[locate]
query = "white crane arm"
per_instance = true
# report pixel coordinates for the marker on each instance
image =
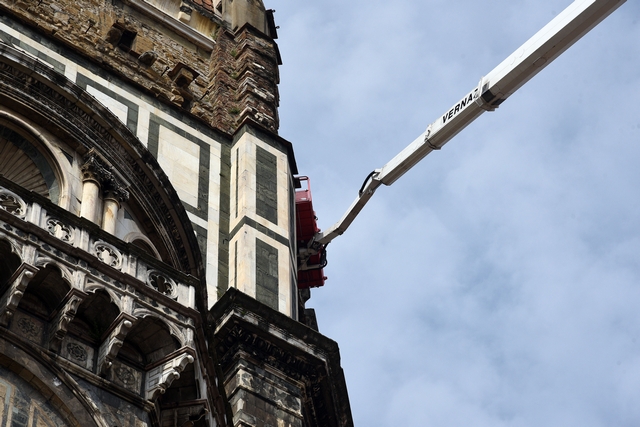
(540, 50)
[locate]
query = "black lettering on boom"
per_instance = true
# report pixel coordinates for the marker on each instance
(458, 107)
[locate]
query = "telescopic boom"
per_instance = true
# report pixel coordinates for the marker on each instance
(492, 90)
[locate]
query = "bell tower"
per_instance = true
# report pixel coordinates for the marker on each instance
(148, 269)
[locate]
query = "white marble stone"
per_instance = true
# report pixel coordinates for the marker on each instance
(117, 108)
(180, 159)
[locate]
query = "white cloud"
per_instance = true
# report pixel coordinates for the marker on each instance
(497, 283)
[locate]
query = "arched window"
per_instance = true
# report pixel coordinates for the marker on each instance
(22, 163)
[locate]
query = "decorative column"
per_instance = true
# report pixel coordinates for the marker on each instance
(110, 213)
(90, 191)
(97, 176)
(112, 199)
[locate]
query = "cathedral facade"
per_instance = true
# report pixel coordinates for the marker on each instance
(148, 254)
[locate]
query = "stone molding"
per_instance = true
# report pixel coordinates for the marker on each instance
(96, 255)
(95, 168)
(78, 115)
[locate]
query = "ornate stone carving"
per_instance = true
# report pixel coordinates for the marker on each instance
(162, 284)
(13, 295)
(96, 169)
(160, 378)
(111, 346)
(77, 352)
(71, 113)
(12, 203)
(126, 376)
(62, 231)
(29, 327)
(108, 254)
(59, 324)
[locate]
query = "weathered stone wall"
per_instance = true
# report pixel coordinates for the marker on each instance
(87, 26)
(277, 371)
(220, 77)
(186, 126)
(260, 398)
(245, 77)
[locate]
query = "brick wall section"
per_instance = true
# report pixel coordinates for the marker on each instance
(238, 80)
(244, 80)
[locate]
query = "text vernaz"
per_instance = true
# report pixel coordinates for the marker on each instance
(464, 102)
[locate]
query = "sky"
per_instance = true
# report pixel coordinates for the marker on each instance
(498, 282)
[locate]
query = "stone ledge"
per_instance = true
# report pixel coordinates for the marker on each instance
(248, 330)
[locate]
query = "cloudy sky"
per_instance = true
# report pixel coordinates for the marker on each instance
(497, 283)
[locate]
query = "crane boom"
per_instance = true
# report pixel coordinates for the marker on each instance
(493, 89)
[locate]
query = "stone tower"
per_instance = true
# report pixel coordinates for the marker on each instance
(147, 222)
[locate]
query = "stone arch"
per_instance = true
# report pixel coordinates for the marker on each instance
(16, 248)
(44, 292)
(175, 331)
(94, 317)
(38, 384)
(44, 262)
(71, 114)
(149, 340)
(142, 242)
(115, 298)
(27, 160)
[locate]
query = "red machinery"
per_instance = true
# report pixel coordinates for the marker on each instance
(310, 268)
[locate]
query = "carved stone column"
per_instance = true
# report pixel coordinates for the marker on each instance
(112, 200)
(90, 193)
(97, 175)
